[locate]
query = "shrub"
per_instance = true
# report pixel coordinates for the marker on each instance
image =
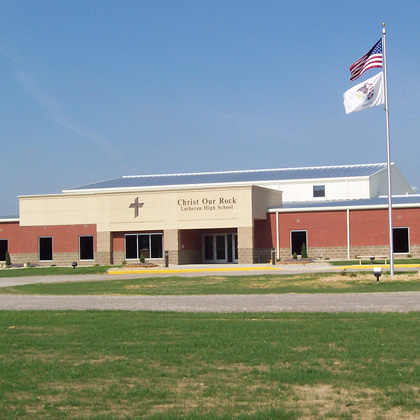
(294, 256)
(304, 253)
(8, 261)
(142, 258)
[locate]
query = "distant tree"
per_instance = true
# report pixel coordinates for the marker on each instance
(8, 260)
(304, 253)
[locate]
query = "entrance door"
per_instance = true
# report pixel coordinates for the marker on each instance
(220, 248)
(208, 248)
(232, 247)
(221, 256)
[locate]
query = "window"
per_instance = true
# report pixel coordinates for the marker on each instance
(401, 241)
(144, 246)
(297, 239)
(3, 248)
(319, 190)
(131, 247)
(86, 248)
(148, 245)
(156, 249)
(45, 250)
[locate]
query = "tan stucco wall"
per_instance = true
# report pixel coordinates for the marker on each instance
(191, 208)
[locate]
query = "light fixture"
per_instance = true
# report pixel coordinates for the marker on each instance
(377, 272)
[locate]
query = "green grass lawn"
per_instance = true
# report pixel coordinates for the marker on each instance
(130, 365)
(250, 284)
(52, 271)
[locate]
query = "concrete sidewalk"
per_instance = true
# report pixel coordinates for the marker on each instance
(229, 269)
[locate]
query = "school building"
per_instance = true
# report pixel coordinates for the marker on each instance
(217, 217)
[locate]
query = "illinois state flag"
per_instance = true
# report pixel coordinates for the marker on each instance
(365, 95)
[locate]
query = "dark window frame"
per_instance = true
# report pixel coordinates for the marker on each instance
(151, 249)
(82, 248)
(318, 191)
(294, 249)
(401, 245)
(3, 250)
(42, 252)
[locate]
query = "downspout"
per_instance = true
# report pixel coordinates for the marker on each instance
(277, 236)
(348, 234)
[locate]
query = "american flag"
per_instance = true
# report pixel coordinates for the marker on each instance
(370, 60)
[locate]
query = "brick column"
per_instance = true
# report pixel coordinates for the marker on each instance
(246, 245)
(104, 248)
(171, 244)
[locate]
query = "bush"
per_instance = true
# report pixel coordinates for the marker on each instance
(304, 253)
(294, 256)
(8, 261)
(142, 258)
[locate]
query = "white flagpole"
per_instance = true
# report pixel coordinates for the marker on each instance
(388, 152)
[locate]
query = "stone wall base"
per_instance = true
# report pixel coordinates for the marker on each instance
(245, 256)
(173, 257)
(414, 250)
(63, 259)
(262, 255)
(118, 258)
(190, 257)
(369, 250)
(331, 253)
(103, 258)
(182, 257)
(340, 253)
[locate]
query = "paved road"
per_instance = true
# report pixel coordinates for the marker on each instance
(351, 302)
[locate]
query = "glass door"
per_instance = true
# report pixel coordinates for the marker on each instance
(208, 248)
(221, 256)
(220, 248)
(235, 247)
(232, 247)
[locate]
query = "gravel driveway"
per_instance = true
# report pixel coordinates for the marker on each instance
(349, 302)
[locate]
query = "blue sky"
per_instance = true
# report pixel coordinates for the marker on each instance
(93, 90)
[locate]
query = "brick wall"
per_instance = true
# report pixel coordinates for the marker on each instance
(23, 243)
(327, 232)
